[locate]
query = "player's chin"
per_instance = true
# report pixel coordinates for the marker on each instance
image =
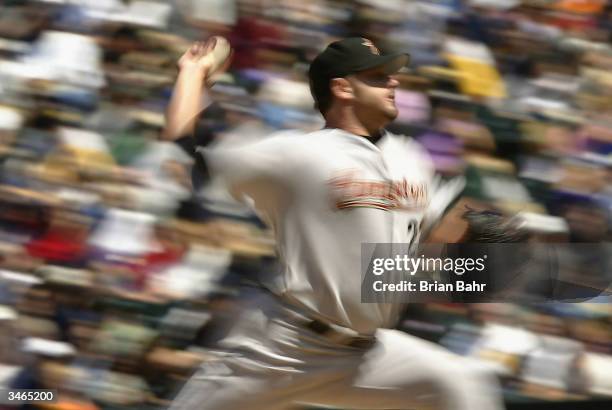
(391, 113)
(390, 108)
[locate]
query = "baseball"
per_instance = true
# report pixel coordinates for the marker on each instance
(221, 51)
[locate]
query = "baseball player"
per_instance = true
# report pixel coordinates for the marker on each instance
(308, 338)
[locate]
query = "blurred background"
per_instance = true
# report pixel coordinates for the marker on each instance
(116, 276)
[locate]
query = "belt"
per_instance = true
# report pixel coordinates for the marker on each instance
(334, 333)
(341, 335)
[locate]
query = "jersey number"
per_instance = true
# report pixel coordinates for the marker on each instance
(413, 235)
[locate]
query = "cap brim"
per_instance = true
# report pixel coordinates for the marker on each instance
(392, 63)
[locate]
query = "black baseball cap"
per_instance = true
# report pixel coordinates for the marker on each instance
(349, 56)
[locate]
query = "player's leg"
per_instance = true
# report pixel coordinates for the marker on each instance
(404, 372)
(268, 367)
(241, 378)
(232, 383)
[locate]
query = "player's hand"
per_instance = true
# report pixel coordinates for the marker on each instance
(199, 58)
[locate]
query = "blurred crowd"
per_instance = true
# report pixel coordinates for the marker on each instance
(119, 262)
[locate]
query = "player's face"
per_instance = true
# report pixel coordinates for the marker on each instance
(374, 95)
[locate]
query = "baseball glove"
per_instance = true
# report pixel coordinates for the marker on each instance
(493, 227)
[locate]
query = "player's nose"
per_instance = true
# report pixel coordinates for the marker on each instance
(393, 82)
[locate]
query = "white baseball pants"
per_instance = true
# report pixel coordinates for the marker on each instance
(276, 365)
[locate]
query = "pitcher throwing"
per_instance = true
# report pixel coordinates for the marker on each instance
(308, 338)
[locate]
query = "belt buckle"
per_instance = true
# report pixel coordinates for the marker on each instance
(361, 342)
(341, 335)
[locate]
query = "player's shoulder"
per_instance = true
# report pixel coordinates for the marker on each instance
(285, 135)
(301, 134)
(407, 142)
(408, 147)
(306, 138)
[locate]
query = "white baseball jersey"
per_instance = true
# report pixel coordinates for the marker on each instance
(325, 193)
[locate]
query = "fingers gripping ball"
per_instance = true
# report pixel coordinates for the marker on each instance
(211, 57)
(219, 51)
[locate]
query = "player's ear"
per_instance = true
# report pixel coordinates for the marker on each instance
(341, 88)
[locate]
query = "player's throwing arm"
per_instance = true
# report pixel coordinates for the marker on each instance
(198, 67)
